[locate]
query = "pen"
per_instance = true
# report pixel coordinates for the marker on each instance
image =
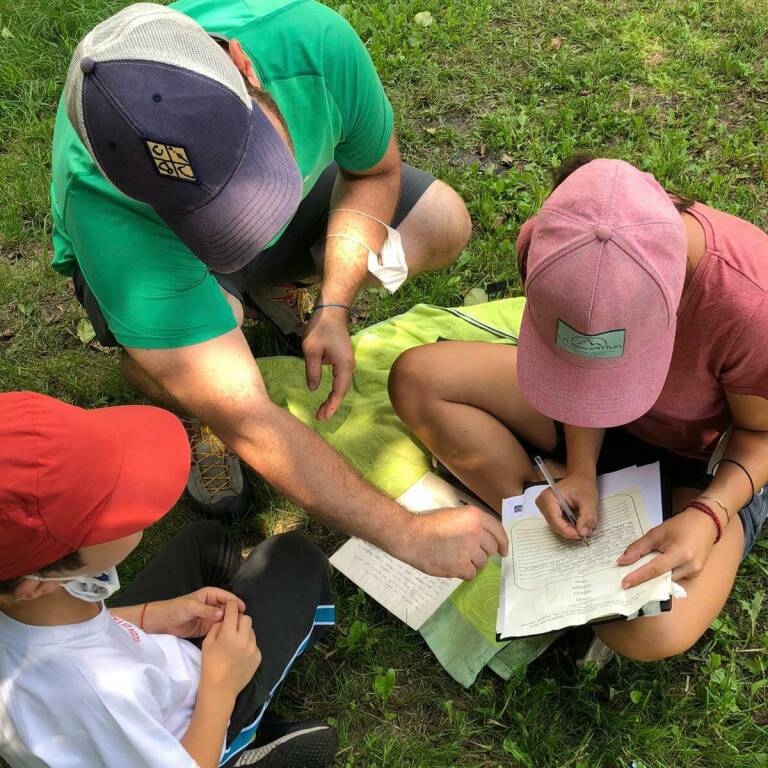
(563, 504)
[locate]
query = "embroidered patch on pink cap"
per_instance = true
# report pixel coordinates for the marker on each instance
(605, 264)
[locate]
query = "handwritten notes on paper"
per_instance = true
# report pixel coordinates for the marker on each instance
(409, 594)
(406, 592)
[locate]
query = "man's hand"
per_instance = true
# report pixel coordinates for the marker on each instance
(190, 615)
(326, 342)
(452, 542)
(581, 494)
(230, 654)
(684, 542)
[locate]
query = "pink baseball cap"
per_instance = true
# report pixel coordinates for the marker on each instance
(603, 263)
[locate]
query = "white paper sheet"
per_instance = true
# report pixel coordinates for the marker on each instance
(406, 592)
(549, 582)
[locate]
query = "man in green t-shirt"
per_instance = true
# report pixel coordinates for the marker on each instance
(206, 155)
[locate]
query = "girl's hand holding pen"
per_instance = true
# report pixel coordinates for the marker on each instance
(580, 492)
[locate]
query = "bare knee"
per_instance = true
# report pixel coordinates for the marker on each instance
(133, 375)
(408, 383)
(458, 225)
(438, 228)
(662, 643)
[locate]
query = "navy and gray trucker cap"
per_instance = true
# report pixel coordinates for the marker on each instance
(167, 118)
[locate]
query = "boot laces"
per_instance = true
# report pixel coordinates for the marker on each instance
(298, 298)
(210, 455)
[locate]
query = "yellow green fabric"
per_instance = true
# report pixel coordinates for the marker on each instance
(154, 293)
(461, 633)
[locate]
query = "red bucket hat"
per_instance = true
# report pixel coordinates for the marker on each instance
(604, 269)
(72, 478)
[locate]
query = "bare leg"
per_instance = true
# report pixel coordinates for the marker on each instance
(658, 637)
(436, 230)
(463, 401)
(137, 379)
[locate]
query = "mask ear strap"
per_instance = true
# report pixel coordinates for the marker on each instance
(37, 577)
(522, 246)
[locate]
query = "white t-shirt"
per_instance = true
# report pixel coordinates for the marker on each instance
(99, 693)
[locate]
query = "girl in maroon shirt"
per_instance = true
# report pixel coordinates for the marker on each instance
(644, 338)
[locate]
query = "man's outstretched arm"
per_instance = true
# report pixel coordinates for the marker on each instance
(218, 382)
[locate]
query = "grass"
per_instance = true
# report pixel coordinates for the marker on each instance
(491, 96)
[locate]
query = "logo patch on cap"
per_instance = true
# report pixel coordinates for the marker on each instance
(171, 161)
(596, 345)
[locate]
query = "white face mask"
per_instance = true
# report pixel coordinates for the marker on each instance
(92, 589)
(389, 265)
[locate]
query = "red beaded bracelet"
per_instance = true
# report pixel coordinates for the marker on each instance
(707, 510)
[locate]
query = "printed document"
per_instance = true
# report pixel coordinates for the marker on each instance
(550, 583)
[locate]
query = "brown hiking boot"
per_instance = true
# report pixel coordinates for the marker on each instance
(215, 477)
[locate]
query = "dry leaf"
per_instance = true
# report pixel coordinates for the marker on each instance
(507, 160)
(555, 43)
(7, 334)
(475, 296)
(85, 332)
(53, 315)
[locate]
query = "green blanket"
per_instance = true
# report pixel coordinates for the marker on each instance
(372, 438)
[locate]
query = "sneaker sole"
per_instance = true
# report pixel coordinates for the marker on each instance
(233, 507)
(308, 748)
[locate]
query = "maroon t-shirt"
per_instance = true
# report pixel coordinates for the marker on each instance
(721, 345)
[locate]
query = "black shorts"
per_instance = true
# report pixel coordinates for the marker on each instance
(621, 449)
(289, 260)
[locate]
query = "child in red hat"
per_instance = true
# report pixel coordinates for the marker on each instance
(171, 674)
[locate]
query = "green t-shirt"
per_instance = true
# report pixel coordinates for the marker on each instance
(153, 291)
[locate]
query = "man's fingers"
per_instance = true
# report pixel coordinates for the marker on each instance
(467, 572)
(496, 529)
(342, 380)
(313, 367)
(657, 566)
(479, 559)
(488, 543)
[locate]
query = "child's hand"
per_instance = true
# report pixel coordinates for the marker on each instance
(581, 494)
(230, 654)
(190, 615)
(684, 542)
